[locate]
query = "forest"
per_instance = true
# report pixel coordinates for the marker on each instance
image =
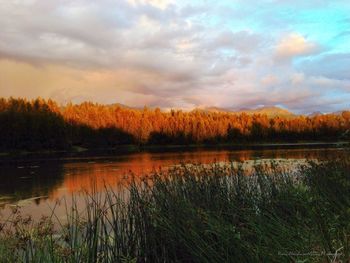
(44, 124)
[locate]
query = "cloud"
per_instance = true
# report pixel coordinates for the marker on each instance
(333, 66)
(156, 3)
(269, 80)
(168, 53)
(242, 41)
(294, 45)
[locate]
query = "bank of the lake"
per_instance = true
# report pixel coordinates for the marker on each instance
(80, 152)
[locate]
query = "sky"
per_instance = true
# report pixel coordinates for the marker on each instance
(185, 54)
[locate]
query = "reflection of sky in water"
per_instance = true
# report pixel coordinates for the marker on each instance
(37, 187)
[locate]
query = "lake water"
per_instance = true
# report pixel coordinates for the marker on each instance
(37, 186)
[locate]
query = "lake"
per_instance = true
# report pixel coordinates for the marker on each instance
(38, 186)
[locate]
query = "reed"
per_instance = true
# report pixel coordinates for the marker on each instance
(199, 213)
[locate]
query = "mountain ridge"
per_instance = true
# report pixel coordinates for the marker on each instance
(270, 111)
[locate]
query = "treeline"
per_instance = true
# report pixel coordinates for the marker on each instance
(41, 124)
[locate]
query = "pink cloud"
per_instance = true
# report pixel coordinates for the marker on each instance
(294, 45)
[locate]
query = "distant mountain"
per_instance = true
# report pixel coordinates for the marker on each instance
(216, 109)
(269, 111)
(314, 114)
(339, 112)
(318, 113)
(123, 106)
(272, 111)
(211, 109)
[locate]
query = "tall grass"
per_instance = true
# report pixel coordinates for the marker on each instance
(216, 213)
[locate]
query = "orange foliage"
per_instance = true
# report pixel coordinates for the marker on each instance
(154, 126)
(43, 124)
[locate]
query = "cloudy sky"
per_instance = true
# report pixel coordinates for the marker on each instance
(178, 54)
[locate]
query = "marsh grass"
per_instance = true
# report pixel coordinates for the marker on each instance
(212, 213)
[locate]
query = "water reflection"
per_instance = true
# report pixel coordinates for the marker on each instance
(36, 186)
(29, 181)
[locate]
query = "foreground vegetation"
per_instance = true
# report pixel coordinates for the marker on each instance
(39, 124)
(217, 213)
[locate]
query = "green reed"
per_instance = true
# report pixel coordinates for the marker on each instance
(198, 213)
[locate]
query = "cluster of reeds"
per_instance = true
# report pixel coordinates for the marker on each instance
(212, 213)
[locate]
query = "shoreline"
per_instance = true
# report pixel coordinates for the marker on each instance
(77, 154)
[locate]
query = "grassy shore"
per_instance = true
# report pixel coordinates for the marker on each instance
(216, 213)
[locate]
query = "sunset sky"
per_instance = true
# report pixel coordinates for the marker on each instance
(178, 54)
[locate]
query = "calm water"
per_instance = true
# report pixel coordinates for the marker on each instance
(37, 186)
